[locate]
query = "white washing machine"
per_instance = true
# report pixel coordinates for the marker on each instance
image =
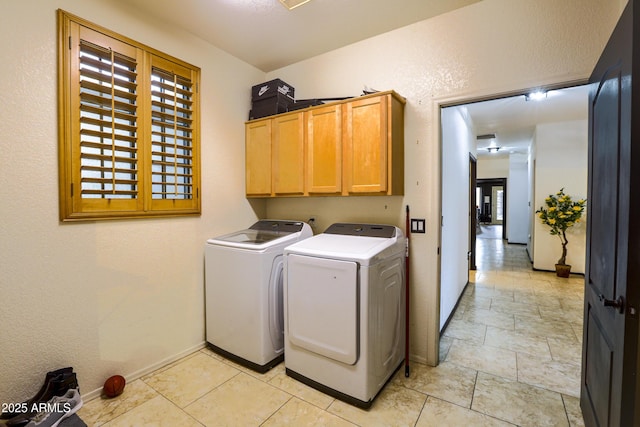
(344, 310)
(243, 292)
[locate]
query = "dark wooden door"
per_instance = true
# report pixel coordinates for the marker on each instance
(610, 337)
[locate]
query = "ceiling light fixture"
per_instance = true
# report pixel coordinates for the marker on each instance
(493, 149)
(292, 4)
(536, 96)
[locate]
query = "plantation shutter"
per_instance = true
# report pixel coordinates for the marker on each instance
(106, 151)
(108, 123)
(129, 127)
(173, 153)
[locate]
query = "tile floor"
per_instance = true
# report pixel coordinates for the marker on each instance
(509, 356)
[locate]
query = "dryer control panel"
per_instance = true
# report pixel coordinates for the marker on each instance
(367, 230)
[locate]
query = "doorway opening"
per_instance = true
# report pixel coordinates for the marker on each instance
(506, 136)
(492, 215)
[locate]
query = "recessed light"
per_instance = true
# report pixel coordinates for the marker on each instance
(536, 96)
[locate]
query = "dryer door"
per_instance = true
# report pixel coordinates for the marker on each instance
(322, 306)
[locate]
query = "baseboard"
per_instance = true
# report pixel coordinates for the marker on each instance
(147, 370)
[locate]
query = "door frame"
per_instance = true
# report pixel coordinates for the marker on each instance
(437, 104)
(498, 182)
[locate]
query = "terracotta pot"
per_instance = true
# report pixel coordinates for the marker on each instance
(563, 270)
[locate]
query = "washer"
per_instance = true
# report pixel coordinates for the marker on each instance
(243, 292)
(344, 310)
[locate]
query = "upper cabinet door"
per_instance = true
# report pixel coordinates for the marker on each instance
(288, 154)
(324, 150)
(258, 158)
(366, 145)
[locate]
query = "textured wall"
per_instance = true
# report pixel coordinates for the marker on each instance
(115, 296)
(490, 47)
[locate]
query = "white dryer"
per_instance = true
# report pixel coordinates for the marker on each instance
(344, 310)
(243, 292)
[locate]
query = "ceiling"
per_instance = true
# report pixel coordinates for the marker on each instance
(265, 34)
(513, 120)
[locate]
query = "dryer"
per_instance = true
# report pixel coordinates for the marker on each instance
(243, 292)
(344, 310)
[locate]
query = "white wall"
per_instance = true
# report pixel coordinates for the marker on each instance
(561, 161)
(518, 216)
(112, 296)
(458, 141)
(493, 167)
(490, 47)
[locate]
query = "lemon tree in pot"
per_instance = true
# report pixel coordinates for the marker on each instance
(560, 214)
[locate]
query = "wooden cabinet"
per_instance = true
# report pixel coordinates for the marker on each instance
(258, 158)
(288, 154)
(274, 164)
(373, 139)
(324, 150)
(344, 148)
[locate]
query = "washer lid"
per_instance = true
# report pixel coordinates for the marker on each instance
(263, 234)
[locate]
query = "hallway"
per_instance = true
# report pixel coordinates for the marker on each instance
(522, 331)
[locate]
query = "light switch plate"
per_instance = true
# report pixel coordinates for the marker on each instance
(418, 225)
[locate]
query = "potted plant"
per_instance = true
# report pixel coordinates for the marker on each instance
(561, 213)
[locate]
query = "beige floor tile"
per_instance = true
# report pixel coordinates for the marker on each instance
(98, 411)
(472, 332)
(502, 294)
(551, 375)
(533, 326)
(300, 390)
(445, 345)
(574, 413)
(171, 365)
(550, 302)
(395, 406)
(576, 303)
(492, 360)
(518, 403)
(194, 377)
(446, 381)
(510, 307)
(515, 341)
(439, 413)
(567, 352)
(155, 412)
(299, 413)
(490, 318)
(562, 314)
(577, 330)
(241, 401)
(475, 301)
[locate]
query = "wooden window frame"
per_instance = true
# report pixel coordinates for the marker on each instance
(129, 127)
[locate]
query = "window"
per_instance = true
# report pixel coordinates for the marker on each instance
(129, 127)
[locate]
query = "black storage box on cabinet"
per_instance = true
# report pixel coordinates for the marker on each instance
(270, 89)
(270, 106)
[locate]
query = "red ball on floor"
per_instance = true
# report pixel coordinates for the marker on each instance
(114, 386)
